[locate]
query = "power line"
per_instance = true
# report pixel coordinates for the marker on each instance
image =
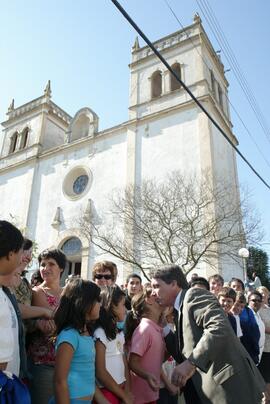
(157, 53)
(227, 98)
(231, 58)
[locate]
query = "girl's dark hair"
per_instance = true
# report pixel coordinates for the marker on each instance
(110, 296)
(138, 309)
(77, 299)
(36, 277)
(27, 244)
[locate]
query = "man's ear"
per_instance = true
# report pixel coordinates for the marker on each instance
(10, 255)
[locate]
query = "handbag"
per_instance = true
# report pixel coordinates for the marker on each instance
(12, 390)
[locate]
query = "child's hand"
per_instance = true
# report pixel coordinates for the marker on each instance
(46, 326)
(173, 390)
(48, 314)
(153, 382)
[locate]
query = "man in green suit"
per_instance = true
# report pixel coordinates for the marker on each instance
(214, 366)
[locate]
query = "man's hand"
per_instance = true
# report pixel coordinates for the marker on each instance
(182, 373)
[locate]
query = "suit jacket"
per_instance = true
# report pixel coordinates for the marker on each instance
(225, 373)
(251, 333)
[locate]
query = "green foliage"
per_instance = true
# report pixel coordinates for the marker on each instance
(258, 262)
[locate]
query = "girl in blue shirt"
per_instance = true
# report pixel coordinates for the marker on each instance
(75, 350)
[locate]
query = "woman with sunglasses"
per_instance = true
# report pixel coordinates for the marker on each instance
(103, 273)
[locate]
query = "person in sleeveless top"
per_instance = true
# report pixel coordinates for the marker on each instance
(41, 350)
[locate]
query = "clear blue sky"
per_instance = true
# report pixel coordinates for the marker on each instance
(84, 48)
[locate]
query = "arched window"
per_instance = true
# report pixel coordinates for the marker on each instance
(156, 84)
(73, 250)
(81, 127)
(13, 142)
(24, 138)
(72, 246)
(174, 84)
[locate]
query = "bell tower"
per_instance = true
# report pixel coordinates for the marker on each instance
(32, 128)
(169, 131)
(192, 57)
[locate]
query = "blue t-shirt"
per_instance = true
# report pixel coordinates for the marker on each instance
(81, 377)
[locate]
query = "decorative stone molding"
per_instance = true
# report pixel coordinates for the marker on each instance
(11, 107)
(47, 90)
(57, 218)
(164, 43)
(43, 102)
(136, 45)
(197, 18)
(88, 210)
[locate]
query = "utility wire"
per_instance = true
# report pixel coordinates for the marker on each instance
(157, 53)
(204, 61)
(229, 55)
(233, 58)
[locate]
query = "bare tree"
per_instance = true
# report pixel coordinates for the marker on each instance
(181, 220)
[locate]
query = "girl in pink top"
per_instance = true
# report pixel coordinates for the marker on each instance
(147, 347)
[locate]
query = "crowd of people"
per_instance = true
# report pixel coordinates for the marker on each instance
(97, 342)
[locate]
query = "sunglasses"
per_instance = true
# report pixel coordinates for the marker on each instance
(100, 276)
(256, 300)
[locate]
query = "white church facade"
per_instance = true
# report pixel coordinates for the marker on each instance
(53, 165)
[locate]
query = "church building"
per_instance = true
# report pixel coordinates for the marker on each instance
(53, 165)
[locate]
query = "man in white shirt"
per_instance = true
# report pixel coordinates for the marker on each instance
(7, 282)
(255, 303)
(11, 241)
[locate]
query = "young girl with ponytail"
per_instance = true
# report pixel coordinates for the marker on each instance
(146, 347)
(111, 365)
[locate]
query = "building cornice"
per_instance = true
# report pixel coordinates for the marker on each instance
(121, 127)
(179, 38)
(39, 104)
